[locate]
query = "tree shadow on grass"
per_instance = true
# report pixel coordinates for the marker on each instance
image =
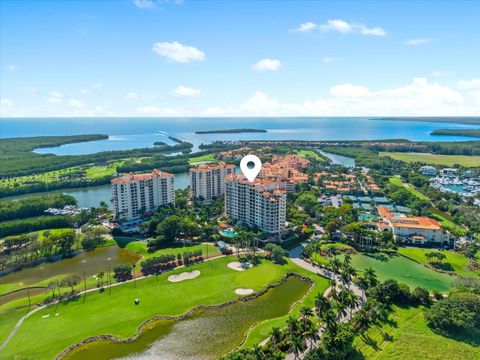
(379, 256)
(471, 338)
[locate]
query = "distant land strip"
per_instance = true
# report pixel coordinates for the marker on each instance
(230, 131)
(439, 119)
(457, 132)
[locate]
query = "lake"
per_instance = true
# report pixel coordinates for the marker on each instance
(206, 334)
(130, 133)
(90, 262)
(91, 196)
(339, 159)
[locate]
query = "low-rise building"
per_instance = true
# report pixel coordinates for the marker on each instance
(256, 204)
(134, 194)
(428, 171)
(413, 229)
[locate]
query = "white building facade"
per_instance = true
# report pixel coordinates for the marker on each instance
(259, 203)
(134, 194)
(207, 181)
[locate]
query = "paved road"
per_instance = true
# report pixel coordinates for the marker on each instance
(295, 257)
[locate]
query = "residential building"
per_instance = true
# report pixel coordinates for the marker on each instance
(207, 181)
(259, 203)
(417, 230)
(428, 171)
(134, 194)
(285, 171)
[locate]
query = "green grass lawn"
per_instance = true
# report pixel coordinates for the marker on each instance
(117, 314)
(446, 160)
(412, 339)
(395, 180)
(203, 158)
(8, 321)
(141, 248)
(447, 221)
(457, 260)
(311, 153)
(393, 266)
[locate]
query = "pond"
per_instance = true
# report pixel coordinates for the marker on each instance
(90, 262)
(339, 159)
(403, 270)
(206, 334)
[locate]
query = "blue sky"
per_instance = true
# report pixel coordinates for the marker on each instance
(200, 58)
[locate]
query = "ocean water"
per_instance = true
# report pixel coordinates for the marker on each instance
(130, 133)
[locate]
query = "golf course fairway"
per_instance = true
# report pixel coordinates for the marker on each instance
(47, 334)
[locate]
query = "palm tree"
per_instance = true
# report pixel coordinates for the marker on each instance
(275, 337)
(296, 345)
(370, 277)
(292, 325)
(347, 260)
(345, 276)
(342, 309)
(312, 334)
(321, 305)
(335, 265)
(352, 301)
(258, 353)
(100, 276)
(305, 312)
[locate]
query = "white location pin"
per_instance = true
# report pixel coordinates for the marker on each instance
(250, 173)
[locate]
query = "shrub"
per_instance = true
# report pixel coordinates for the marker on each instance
(459, 312)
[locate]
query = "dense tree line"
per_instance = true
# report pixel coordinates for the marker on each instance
(33, 224)
(172, 164)
(37, 187)
(17, 158)
(33, 206)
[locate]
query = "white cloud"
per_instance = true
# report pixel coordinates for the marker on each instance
(184, 91)
(157, 111)
(177, 52)
(418, 42)
(328, 59)
(85, 91)
(349, 90)
(29, 89)
(345, 27)
(469, 84)
(131, 96)
(267, 65)
(7, 108)
(419, 98)
(12, 67)
(76, 104)
(55, 97)
(443, 73)
(305, 27)
(145, 4)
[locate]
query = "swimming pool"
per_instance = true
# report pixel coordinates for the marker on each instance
(229, 233)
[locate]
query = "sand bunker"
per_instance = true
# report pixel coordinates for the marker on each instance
(184, 276)
(241, 291)
(235, 265)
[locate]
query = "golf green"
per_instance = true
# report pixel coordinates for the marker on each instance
(393, 266)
